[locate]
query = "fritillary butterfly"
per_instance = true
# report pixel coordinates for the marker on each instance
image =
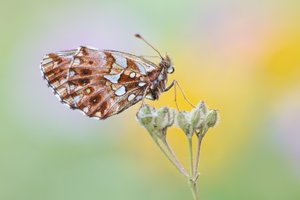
(102, 83)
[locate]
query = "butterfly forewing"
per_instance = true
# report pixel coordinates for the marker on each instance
(100, 83)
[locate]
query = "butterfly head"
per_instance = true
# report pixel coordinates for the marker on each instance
(167, 64)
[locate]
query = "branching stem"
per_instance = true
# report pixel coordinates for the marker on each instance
(182, 169)
(190, 141)
(179, 167)
(196, 167)
(194, 188)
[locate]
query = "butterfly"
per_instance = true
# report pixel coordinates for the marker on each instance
(103, 83)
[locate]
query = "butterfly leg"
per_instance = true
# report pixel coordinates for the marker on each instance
(175, 84)
(175, 93)
(184, 96)
(144, 96)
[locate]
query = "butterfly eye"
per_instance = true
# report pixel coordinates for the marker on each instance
(171, 70)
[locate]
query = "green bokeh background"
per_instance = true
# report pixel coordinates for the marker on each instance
(241, 57)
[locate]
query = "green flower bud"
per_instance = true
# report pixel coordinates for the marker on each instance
(165, 117)
(198, 118)
(145, 115)
(183, 121)
(154, 121)
(198, 121)
(212, 118)
(202, 107)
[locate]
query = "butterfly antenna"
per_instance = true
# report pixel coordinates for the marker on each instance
(140, 37)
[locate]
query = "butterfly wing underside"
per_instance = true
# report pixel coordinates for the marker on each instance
(99, 83)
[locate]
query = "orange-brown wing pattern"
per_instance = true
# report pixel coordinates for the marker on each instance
(100, 83)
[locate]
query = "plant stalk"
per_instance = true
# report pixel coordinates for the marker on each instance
(190, 141)
(194, 188)
(200, 137)
(179, 167)
(182, 169)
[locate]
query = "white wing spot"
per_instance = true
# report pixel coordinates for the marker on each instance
(139, 97)
(88, 90)
(72, 73)
(131, 97)
(76, 61)
(132, 74)
(72, 87)
(141, 84)
(149, 68)
(113, 78)
(120, 91)
(46, 60)
(86, 109)
(121, 61)
(160, 77)
(115, 68)
(102, 56)
(141, 68)
(98, 115)
(77, 99)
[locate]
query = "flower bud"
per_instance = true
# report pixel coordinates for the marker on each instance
(165, 117)
(198, 116)
(212, 118)
(145, 115)
(183, 121)
(156, 121)
(202, 107)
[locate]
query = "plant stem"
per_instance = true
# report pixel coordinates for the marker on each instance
(200, 137)
(175, 158)
(168, 157)
(193, 170)
(190, 140)
(174, 162)
(193, 185)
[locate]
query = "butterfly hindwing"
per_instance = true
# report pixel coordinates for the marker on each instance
(100, 83)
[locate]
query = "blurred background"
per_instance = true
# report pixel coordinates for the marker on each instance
(241, 57)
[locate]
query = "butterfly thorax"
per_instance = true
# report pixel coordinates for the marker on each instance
(159, 78)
